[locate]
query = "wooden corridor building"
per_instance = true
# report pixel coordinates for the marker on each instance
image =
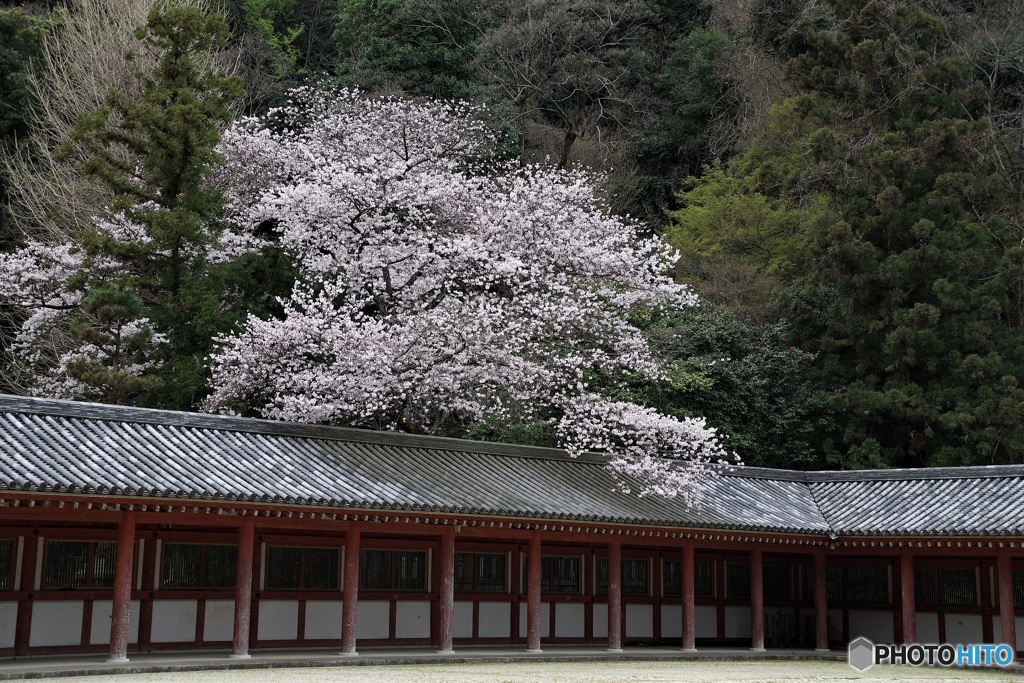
(125, 530)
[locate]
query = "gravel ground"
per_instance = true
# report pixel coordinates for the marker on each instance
(542, 672)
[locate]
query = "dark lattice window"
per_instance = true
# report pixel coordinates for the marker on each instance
(776, 583)
(635, 577)
(308, 568)
(852, 584)
(320, 570)
(945, 586)
(393, 570)
(703, 580)
(480, 572)
(672, 578)
(375, 569)
(194, 565)
(6, 564)
(558, 574)
(410, 570)
(79, 564)
(221, 566)
(284, 567)
(737, 580)
(1018, 588)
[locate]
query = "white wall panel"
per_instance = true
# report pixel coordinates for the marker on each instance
(323, 619)
(963, 628)
(706, 619)
(639, 621)
(737, 622)
(495, 618)
(927, 627)
(600, 620)
(462, 619)
(412, 619)
(8, 623)
(279, 620)
(671, 621)
(374, 619)
(174, 621)
(56, 623)
(569, 620)
(219, 621)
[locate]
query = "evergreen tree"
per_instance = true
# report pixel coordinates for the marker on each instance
(155, 153)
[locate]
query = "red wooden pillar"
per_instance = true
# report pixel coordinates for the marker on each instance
(350, 595)
(446, 594)
(820, 602)
(23, 626)
(689, 626)
(907, 596)
(121, 611)
(615, 595)
(1007, 621)
(756, 600)
(243, 590)
(533, 595)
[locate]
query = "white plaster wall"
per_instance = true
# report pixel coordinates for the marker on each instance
(671, 621)
(8, 623)
(600, 620)
(174, 621)
(99, 631)
(412, 619)
(323, 619)
(495, 618)
(219, 621)
(927, 627)
(875, 625)
(545, 620)
(705, 617)
(569, 620)
(737, 622)
(56, 623)
(639, 621)
(997, 630)
(462, 619)
(963, 628)
(373, 619)
(279, 620)
(835, 624)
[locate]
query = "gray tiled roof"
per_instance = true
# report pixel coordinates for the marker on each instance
(86, 448)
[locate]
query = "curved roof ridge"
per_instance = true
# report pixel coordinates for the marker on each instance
(253, 425)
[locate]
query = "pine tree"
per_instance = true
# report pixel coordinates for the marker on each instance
(165, 202)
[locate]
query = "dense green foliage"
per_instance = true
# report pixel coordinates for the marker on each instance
(882, 224)
(19, 41)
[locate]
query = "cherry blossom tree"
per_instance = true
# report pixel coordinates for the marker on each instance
(438, 283)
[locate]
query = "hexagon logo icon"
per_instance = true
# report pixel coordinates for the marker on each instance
(862, 654)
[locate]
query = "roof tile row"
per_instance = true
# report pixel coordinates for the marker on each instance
(50, 445)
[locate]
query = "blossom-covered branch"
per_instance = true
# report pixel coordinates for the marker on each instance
(436, 282)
